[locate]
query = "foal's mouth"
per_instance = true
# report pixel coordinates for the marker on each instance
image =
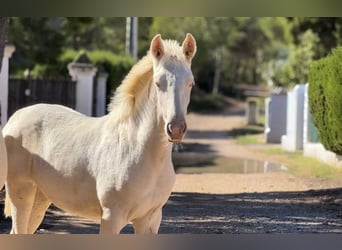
(176, 131)
(175, 140)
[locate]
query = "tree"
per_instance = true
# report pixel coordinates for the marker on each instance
(37, 40)
(231, 50)
(259, 42)
(3, 32)
(296, 68)
(42, 40)
(95, 33)
(328, 29)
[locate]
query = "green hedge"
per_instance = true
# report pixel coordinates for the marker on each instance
(117, 66)
(202, 101)
(325, 99)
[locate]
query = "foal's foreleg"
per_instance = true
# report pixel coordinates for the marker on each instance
(21, 196)
(112, 221)
(149, 224)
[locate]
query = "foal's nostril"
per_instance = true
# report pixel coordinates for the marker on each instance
(169, 129)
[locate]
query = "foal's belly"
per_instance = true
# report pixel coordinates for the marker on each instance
(73, 195)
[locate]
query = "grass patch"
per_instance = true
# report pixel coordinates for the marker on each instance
(246, 134)
(300, 165)
(246, 139)
(261, 120)
(246, 130)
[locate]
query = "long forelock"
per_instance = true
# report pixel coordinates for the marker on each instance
(173, 49)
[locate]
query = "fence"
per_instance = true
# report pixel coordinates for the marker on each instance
(24, 92)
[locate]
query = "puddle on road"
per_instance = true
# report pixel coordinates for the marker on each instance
(197, 163)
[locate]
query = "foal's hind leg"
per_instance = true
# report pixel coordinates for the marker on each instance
(40, 205)
(21, 195)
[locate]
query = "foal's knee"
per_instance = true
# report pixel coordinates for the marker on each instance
(149, 224)
(112, 221)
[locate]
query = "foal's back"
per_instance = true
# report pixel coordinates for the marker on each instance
(52, 132)
(45, 122)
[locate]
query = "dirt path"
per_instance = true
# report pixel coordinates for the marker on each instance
(229, 203)
(212, 130)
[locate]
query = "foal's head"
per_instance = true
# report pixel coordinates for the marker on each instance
(173, 80)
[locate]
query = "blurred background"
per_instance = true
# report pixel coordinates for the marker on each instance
(234, 53)
(256, 131)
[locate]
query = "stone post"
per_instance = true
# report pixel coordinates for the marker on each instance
(8, 51)
(275, 116)
(252, 111)
(293, 140)
(101, 93)
(83, 71)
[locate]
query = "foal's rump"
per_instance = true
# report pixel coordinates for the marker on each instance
(47, 146)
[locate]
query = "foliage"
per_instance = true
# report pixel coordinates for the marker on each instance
(116, 66)
(231, 50)
(37, 41)
(325, 90)
(202, 101)
(95, 33)
(42, 40)
(246, 139)
(328, 29)
(3, 34)
(300, 165)
(296, 68)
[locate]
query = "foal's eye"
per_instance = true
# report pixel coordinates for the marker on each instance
(158, 84)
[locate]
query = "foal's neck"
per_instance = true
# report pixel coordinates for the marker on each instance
(134, 107)
(145, 126)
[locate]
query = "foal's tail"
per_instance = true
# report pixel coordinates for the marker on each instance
(3, 171)
(3, 161)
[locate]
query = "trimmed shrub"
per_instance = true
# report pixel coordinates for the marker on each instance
(325, 99)
(201, 101)
(117, 67)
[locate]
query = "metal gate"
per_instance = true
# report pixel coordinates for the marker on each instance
(25, 92)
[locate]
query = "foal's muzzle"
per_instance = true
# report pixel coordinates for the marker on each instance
(176, 130)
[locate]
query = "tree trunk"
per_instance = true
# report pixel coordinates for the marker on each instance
(3, 32)
(217, 73)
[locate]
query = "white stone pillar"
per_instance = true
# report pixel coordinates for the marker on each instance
(252, 112)
(293, 140)
(101, 93)
(275, 116)
(83, 71)
(306, 116)
(8, 51)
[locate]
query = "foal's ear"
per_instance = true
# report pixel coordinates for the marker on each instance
(189, 47)
(157, 47)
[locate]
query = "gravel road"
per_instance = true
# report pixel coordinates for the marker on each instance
(226, 203)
